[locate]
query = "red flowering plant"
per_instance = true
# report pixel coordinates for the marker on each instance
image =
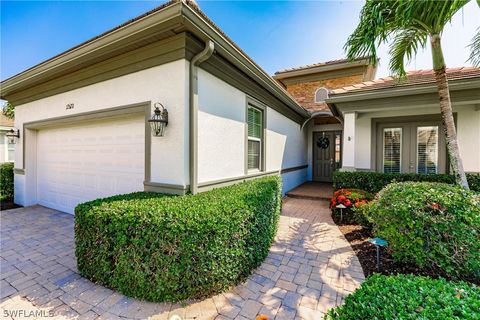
(351, 199)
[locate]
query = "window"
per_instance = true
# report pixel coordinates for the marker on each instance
(392, 150)
(9, 151)
(338, 150)
(321, 95)
(255, 138)
(427, 149)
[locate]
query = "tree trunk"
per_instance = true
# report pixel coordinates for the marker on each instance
(446, 111)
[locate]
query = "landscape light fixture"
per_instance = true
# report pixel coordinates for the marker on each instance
(378, 243)
(341, 207)
(159, 120)
(12, 134)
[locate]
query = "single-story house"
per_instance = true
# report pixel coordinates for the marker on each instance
(91, 122)
(7, 147)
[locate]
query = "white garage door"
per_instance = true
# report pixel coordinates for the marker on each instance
(88, 161)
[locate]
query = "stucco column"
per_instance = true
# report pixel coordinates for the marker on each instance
(348, 159)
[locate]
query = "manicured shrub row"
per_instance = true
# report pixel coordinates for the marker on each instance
(6, 181)
(432, 225)
(375, 181)
(168, 248)
(409, 297)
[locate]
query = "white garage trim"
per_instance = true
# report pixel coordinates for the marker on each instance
(90, 159)
(141, 107)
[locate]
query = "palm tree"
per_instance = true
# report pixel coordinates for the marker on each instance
(409, 24)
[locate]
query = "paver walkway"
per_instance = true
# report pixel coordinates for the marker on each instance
(310, 268)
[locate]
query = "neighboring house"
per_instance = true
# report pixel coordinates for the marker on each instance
(7, 149)
(83, 115)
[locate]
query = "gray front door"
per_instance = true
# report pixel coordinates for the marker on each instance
(326, 154)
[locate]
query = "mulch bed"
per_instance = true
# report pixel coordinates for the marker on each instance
(358, 237)
(8, 204)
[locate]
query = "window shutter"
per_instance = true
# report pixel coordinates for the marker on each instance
(427, 149)
(254, 123)
(392, 150)
(253, 154)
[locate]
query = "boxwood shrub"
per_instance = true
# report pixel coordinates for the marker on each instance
(167, 248)
(409, 297)
(431, 225)
(375, 181)
(6, 181)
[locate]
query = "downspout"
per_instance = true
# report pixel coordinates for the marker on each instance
(193, 109)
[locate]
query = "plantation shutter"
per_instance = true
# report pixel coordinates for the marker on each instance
(427, 149)
(255, 130)
(254, 123)
(392, 150)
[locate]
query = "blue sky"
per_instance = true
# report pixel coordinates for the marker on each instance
(276, 34)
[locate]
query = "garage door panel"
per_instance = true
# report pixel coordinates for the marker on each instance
(84, 162)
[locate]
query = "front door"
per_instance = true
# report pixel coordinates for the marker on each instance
(326, 154)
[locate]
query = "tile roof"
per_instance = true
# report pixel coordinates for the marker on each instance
(413, 78)
(320, 64)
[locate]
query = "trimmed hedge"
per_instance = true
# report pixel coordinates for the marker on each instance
(168, 248)
(430, 225)
(375, 181)
(409, 297)
(6, 181)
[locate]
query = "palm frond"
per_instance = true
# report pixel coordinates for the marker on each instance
(408, 23)
(373, 29)
(404, 47)
(475, 49)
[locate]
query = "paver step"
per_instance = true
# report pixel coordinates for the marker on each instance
(307, 197)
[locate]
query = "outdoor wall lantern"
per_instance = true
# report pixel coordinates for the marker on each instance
(12, 134)
(159, 120)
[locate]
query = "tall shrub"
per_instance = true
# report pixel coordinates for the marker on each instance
(6, 181)
(159, 247)
(430, 225)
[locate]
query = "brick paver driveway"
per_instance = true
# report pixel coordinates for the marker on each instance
(310, 268)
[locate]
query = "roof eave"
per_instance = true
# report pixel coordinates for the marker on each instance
(239, 59)
(456, 84)
(322, 68)
(190, 18)
(89, 48)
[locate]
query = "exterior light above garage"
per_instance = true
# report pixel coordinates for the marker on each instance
(12, 134)
(159, 120)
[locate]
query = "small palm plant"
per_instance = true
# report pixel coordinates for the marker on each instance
(409, 24)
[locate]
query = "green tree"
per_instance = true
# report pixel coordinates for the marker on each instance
(8, 110)
(409, 25)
